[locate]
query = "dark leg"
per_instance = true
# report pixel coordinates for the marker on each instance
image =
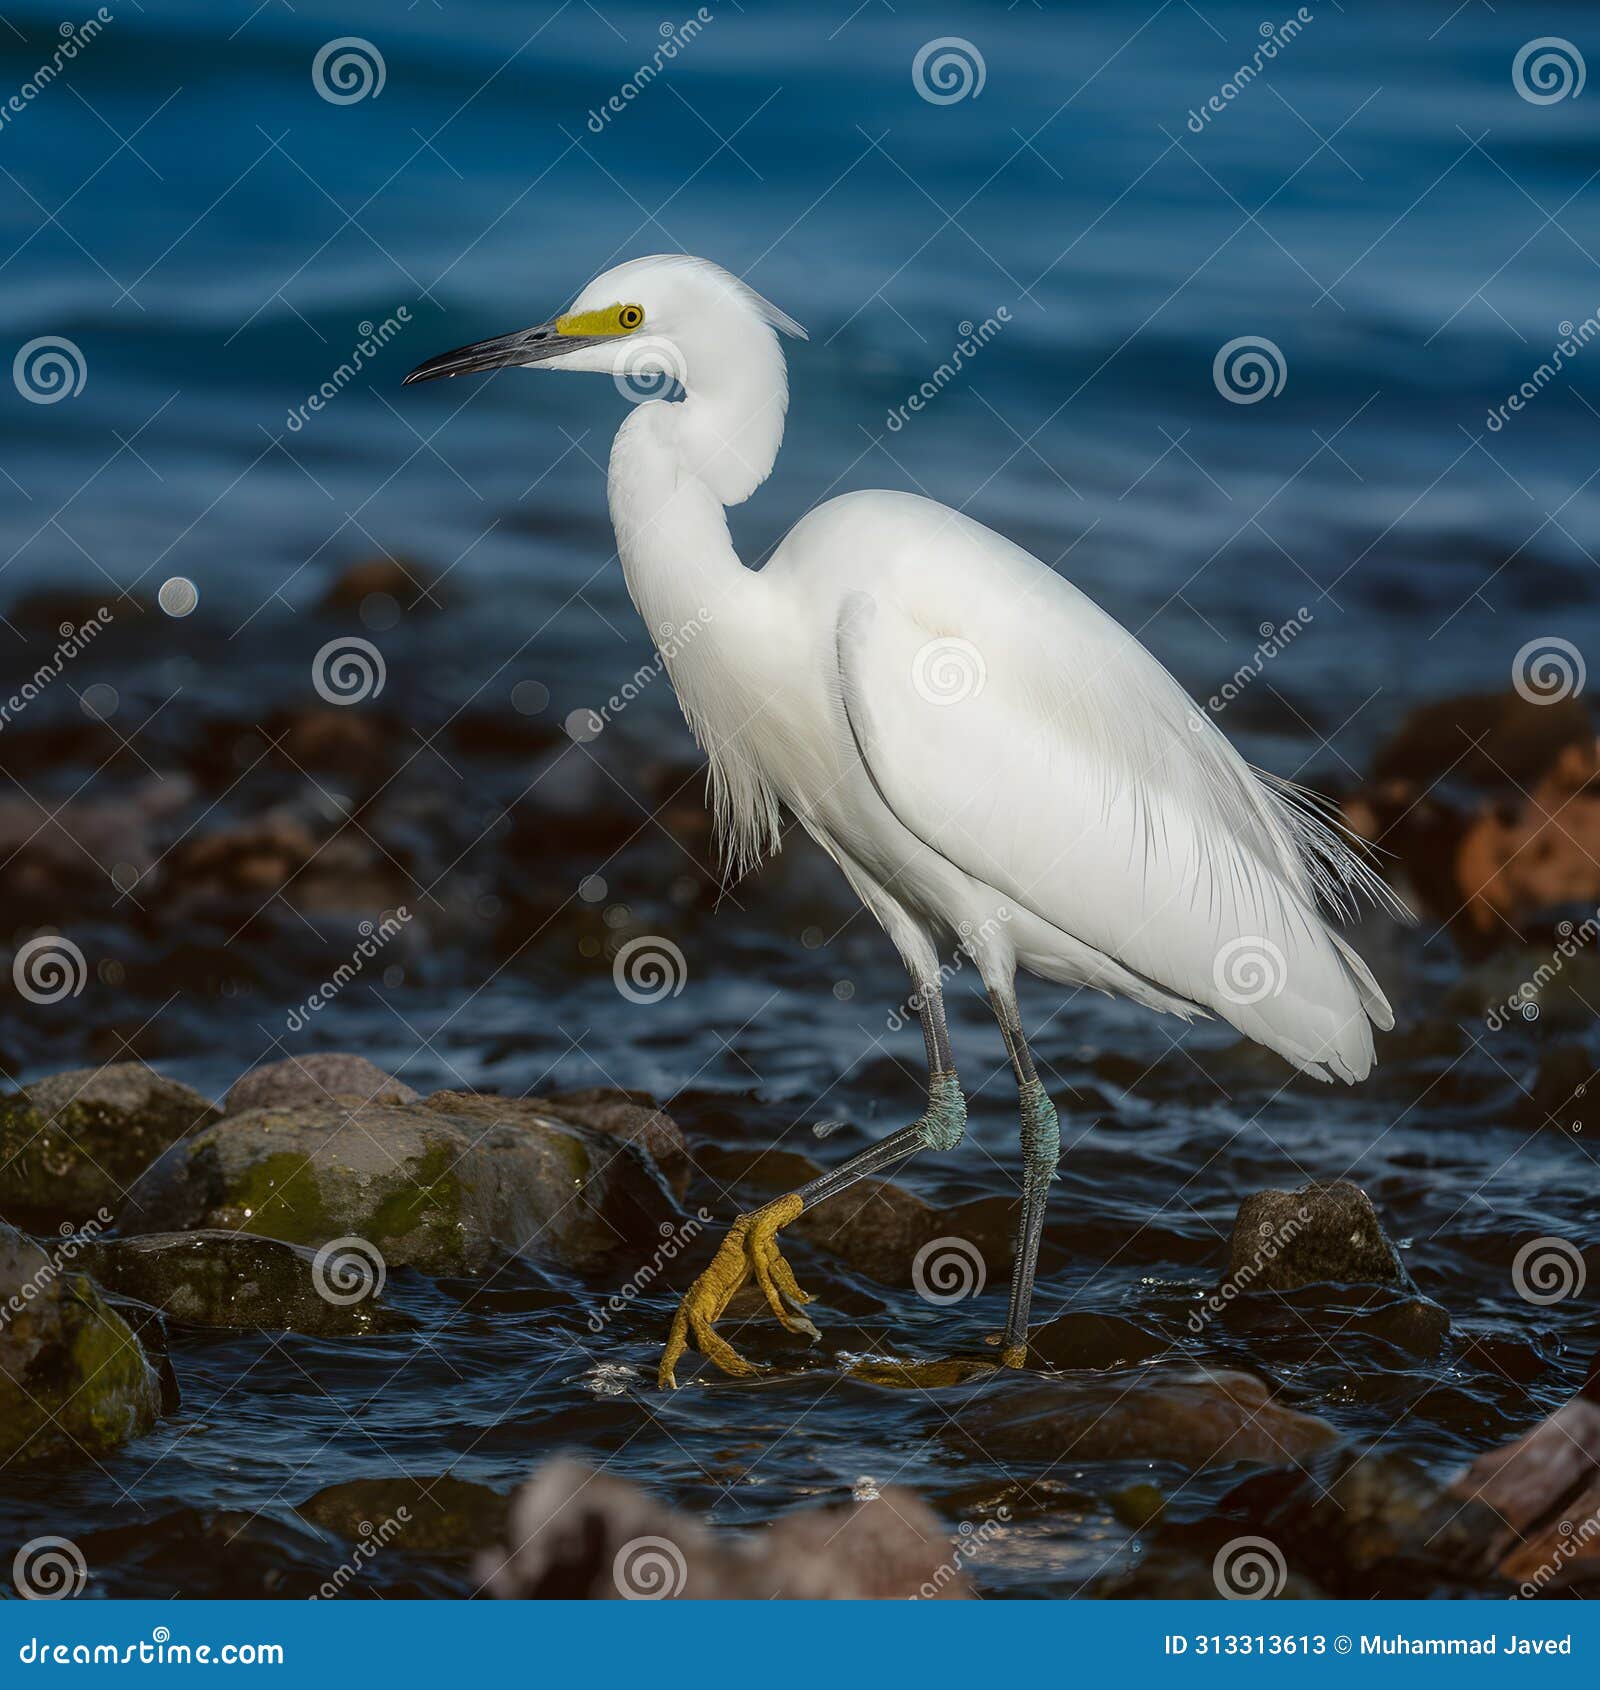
(1041, 1150)
(751, 1244)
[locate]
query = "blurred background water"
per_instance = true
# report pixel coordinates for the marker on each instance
(215, 238)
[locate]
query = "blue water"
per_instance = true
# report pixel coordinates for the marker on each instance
(211, 235)
(1413, 265)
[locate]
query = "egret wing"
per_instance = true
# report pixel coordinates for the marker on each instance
(1043, 751)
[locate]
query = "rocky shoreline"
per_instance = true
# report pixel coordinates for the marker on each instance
(286, 1208)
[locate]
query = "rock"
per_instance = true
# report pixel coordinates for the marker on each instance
(74, 1382)
(1489, 739)
(877, 1230)
(71, 1144)
(1520, 1484)
(617, 1113)
(1196, 1417)
(238, 1281)
(578, 1533)
(1370, 1524)
(1087, 1340)
(1319, 1234)
(1536, 851)
(438, 1515)
(317, 1078)
(282, 851)
(410, 584)
(430, 1188)
(1563, 1551)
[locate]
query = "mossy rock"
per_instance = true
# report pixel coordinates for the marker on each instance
(236, 1281)
(441, 1192)
(74, 1381)
(621, 1114)
(72, 1144)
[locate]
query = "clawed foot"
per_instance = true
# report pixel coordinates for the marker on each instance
(750, 1249)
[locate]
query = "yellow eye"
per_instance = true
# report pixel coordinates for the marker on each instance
(630, 316)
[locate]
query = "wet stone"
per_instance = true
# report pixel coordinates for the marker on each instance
(234, 1280)
(74, 1381)
(72, 1143)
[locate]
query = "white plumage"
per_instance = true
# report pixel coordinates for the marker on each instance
(987, 756)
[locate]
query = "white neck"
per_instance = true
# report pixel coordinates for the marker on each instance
(674, 466)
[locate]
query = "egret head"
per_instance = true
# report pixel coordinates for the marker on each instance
(651, 323)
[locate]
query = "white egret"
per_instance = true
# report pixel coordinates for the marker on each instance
(987, 756)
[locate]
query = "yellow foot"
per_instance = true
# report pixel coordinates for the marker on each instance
(751, 1247)
(951, 1370)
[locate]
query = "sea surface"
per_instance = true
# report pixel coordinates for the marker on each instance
(1398, 238)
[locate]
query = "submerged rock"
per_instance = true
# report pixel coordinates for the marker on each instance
(1318, 1258)
(74, 1381)
(317, 1078)
(1371, 1524)
(1196, 1417)
(438, 1515)
(446, 1190)
(72, 1143)
(1086, 1340)
(578, 1533)
(239, 1281)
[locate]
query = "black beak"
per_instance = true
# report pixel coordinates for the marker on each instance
(527, 346)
